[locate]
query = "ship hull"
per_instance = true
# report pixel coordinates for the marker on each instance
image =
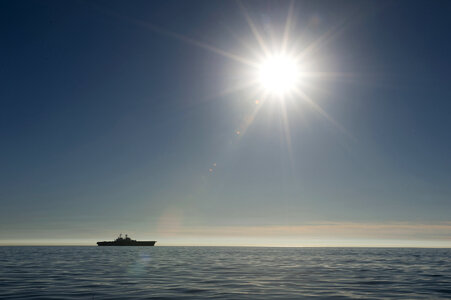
(135, 243)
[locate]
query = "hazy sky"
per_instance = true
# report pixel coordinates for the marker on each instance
(134, 117)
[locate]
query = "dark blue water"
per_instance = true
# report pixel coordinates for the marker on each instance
(223, 273)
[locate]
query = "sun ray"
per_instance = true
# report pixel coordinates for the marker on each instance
(288, 25)
(237, 88)
(249, 119)
(332, 33)
(227, 91)
(323, 113)
(254, 30)
(287, 132)
(174, 35)
(199, 44)
(247, 44)
(355, 78)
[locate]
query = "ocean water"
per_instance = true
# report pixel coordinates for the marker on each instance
(223, 273)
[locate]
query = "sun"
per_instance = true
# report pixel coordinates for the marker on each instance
(279, 75)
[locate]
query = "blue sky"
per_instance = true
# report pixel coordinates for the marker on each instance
(123, 117)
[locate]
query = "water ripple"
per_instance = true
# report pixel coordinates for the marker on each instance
(223, 273)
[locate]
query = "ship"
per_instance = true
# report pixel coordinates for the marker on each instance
(127, 241)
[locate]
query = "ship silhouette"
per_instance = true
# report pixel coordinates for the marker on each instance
(127, 241)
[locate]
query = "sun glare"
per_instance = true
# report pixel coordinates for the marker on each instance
(279, 75)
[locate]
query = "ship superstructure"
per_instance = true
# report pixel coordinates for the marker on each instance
(127, 241)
